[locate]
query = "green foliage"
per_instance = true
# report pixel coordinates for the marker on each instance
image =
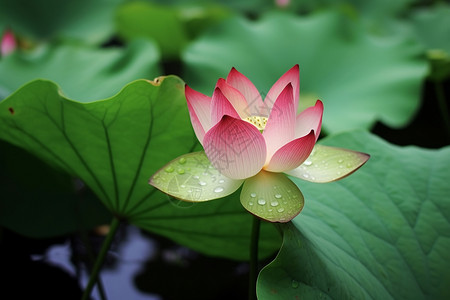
(198, 18)
(361, 79)
(160, 23)
(115, 145)
(171, 27)
(82, 72)
(85, 20)
(430, 27)
(383, 233)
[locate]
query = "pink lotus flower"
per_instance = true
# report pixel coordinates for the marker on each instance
(251, 141)
(282, 3)
(7, 43)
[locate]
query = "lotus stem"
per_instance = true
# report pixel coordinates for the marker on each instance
(254, 258)
(101, 257)
(91, 260)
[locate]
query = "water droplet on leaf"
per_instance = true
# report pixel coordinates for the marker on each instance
(169, 169)
(261, 201)
(253, 195)
(180, 171)
(218, 189)
(294, 284)
(280, 210)
(182, 160)
(202, 183)
(278, 196)
(274, 203)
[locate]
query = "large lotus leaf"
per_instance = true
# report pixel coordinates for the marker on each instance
(361, 79)
(29, 186)
(382, 233)
(85, 20)
(82, 72)
(115, 145)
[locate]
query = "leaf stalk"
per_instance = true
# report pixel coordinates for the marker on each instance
(101, 257)
(254, 258)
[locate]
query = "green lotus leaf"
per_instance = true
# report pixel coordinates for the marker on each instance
(82, 72)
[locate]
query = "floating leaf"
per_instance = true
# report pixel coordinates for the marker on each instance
(383, 233)
(115, 145)
(361, 79)
(83, 73)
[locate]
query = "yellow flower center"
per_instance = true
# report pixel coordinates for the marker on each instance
(257, 121)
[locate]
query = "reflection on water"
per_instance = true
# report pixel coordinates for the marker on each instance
(124, 261)
(138, 267)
